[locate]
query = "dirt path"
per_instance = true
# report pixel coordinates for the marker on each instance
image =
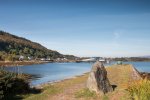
(68, 93)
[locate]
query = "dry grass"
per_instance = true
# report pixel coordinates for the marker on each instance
(119, 75)
(140, 90)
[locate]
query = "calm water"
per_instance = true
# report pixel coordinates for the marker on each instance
(141, 66)
(51, 72)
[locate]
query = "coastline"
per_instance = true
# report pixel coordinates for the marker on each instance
(33, 62)
(69, 88)
(142, 74)
(40, 86)
(23, 63)
(20, 63)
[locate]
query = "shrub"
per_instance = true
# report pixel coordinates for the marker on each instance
(12, 84)
(140, 90)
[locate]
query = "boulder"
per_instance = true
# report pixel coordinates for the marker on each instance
(97, 80)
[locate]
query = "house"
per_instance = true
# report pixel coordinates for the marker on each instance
(102, 60)
(43, 59)
(88, 59)
(30, 58)
(21, 58)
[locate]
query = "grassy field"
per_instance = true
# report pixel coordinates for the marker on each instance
(120, 77)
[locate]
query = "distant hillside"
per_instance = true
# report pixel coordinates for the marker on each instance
(132, 59)
(12, 46)
(145, 56)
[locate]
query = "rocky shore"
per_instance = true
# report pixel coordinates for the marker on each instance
(145, 75)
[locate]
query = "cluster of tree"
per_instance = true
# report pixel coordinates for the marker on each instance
(12, 47)
(71, 57)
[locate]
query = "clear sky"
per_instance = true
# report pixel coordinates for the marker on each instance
(111, 28)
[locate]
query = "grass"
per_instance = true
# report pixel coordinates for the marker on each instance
(85, 93)
(140, 90)
(105, 97)
(55, 88)
(119, 75)
(46, 92)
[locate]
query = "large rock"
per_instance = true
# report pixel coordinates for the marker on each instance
(97, 80)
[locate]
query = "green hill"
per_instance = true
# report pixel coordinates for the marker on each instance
(11, 47)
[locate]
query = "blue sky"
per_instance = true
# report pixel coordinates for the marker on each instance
(110, 28)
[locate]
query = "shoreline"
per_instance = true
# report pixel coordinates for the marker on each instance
(34, 62)
(20, 63)
(145, 75)
(69, 88)
(119, 75)
(24, 63)
(40, 86)
(142, 74)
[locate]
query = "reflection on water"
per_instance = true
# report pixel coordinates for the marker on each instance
(51, 72)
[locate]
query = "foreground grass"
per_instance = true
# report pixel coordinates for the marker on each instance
(12, 84)
(85, 93)
(140, 90)
(46, 92)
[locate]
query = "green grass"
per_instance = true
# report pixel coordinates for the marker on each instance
(140, 90)
(85, 93)
(51, 90)
(105, 97)
(47, 92)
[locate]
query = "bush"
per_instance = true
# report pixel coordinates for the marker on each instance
(140, 90)
(12, 84)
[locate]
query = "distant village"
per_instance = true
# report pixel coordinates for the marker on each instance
(64, 59)
(82, 59)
